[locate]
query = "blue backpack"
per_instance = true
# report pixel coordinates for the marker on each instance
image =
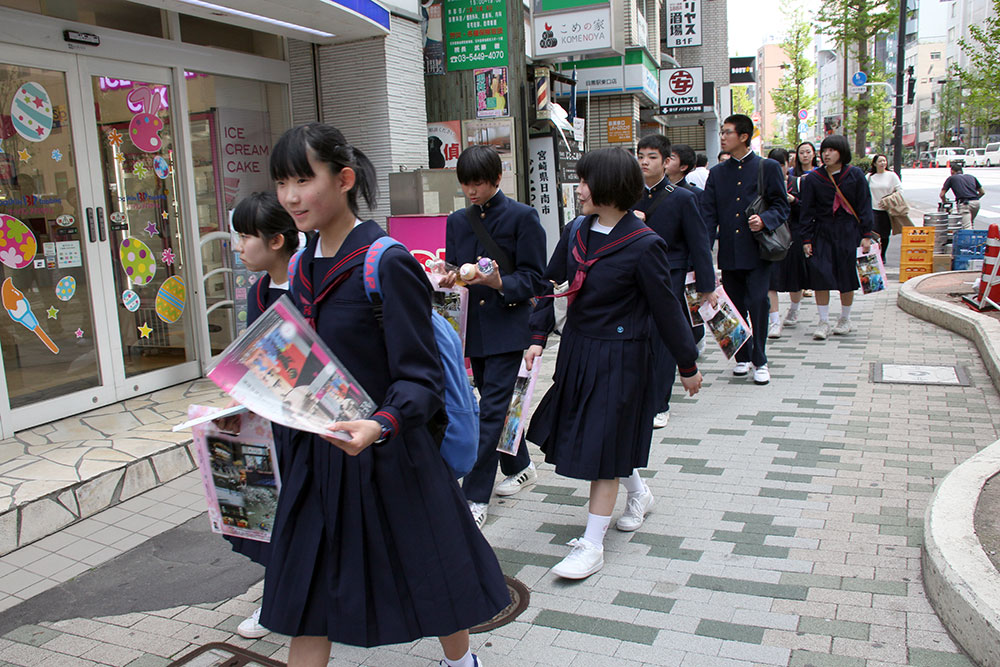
(460, 442)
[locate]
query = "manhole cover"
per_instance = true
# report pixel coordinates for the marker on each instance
(955, 376)
(218, 654)
(519, 597)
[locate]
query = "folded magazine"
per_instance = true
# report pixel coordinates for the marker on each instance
(518, 410)
(240, 474)
(452, 303)
(692, 299)
(728, 327)
(871, 271)
(281, 370)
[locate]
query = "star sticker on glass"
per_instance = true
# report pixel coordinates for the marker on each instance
(53, 313)
(168, 256)
(24, 155)
(57, 155)
(79, 332)
(114, 138)
(152, 230)
(165, 215)
(145, 330)
(140, 170)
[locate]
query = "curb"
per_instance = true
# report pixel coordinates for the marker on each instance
(982, 330)
(961, 583)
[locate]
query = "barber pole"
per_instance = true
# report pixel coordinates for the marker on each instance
(989, 282)
(542, 92)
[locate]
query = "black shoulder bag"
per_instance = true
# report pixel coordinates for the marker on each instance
(772, 244)
(487, 241)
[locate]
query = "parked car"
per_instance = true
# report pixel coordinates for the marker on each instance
(926, 159)
(944, 156)
(975, 157)
(991, 156)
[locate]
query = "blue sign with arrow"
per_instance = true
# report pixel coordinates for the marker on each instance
(859, 79)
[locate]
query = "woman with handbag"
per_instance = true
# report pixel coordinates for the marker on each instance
(882, 182)
(836, 216)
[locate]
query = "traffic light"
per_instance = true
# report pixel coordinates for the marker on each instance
(911, 85)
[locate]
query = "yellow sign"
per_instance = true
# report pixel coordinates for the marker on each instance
(620, 130)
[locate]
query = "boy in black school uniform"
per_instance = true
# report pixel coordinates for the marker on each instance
(730, 189)
(671, 210)
(499, 306)
(679, 165)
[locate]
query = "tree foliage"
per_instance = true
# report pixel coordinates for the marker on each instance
(742, 102)
(792, 93)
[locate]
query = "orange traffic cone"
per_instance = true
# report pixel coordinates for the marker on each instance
(989, 282)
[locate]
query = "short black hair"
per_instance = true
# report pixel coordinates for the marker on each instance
(686, 156)
(839, 143)
(262, 215)
(721, 153)
(957, 165)
(479, 164)
(701, 160)
(657, 142)
(613, 176)
(779, 155)
(742, 124)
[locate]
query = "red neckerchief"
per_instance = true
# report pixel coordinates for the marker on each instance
(837, 197)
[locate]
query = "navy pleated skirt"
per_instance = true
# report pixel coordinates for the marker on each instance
(833, 265)
(596, 420)
(376, 549)
(792, 273)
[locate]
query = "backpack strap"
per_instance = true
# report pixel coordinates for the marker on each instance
(371, 278)
(293, 267)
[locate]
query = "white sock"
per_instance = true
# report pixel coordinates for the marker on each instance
(845, 312)
(633, 483)
(774, 317)
(465, 661)
(793, 307)
(824, 313)
(597, 526)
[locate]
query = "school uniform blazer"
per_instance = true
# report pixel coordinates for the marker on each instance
(626, 291)
(678, 221)
(817, 201)
(731, 187)
(498, 323)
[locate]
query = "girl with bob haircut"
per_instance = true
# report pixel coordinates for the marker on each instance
(596, 421)
(373, 542)
(836, 217)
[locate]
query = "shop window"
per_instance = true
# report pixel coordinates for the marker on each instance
(196, 30)
(114, 14)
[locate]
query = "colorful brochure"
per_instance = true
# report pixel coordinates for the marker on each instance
(519, 409)
(452, 303)
(871, 271)
(240, 475)
(693, 300)
(281, 370)
(728, 327)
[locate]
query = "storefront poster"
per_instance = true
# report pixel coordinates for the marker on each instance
(444, 143)
(433, 39)
(475, 34)
(543, 187)
(499, 133)
(491, 92)
(683, 23)
(620, 130)
(245, 149)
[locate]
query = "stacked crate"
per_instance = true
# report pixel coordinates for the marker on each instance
(917, 252)
(968, 249)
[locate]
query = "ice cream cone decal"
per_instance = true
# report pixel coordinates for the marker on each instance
(20, 311)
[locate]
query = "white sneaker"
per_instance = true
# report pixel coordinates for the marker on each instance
(251, 627)
(842, 327)
(761, 375)
(741, 368)
(476, 662)
(661, 419)
(636, 508)
(584, 560)
(792, 318)
(774, 329)
(514, 483)
(479, 512)
(822, 331)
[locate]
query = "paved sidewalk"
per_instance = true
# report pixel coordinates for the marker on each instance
(786, 531)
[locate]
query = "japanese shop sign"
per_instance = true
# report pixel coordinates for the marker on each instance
(475, 33)
(683, 23)
(620, 130)
(543, 186)
(743, 70)
(573, 32)
(606, 75)
(444, 143)
(681, 90)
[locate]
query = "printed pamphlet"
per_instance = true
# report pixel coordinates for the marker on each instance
(518, 410)
(452, 303)
(871, 271)
(731, 331)
(281, 370)
(693, 299)
(240, 474)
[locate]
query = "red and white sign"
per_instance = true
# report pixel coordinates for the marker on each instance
(681, 90)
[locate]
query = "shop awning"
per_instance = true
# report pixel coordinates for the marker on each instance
(909, 139)
(317, 21)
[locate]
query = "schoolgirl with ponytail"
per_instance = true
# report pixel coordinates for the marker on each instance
(373, 542)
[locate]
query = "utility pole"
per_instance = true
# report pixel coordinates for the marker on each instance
(897, 136)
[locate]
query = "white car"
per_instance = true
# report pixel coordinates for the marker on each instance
(992, 154)
(975, 157)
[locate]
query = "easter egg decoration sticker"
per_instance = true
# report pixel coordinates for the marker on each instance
(19, 309)
(170, 299)
(161, 167)
(31, 112)
(137, 260)
(66, 288)
(17, 242)
(144, 128)
(130, 300)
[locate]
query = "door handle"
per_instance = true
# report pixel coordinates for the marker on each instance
(90, 225)
(100, 224)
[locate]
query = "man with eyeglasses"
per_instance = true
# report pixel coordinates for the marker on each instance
(730, 189)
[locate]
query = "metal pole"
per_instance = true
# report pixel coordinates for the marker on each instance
(897, 136)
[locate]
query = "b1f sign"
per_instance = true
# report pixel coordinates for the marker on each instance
(681, 90)
(683, 23)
